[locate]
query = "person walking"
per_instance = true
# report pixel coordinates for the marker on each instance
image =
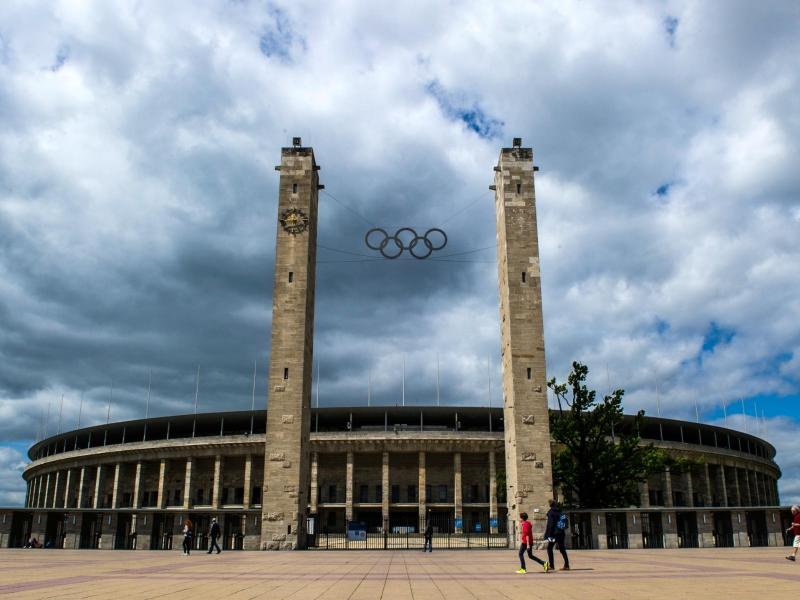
(214, 534)
(187, 537)
(555, 532)
(526, 545)
(795, 529)
(428, 543)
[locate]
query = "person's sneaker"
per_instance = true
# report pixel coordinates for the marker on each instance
(565, 568)
(791, 558)
(521, 571)
(546, 566)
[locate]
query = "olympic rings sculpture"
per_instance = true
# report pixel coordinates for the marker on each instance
(405, 238)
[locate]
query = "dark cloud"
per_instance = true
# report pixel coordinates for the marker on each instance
(138, 201)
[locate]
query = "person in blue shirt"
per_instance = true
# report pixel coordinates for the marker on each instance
(555, 533)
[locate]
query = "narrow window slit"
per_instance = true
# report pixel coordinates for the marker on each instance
(529, 372)
(286, 373)
(523, 277)
(291, 276)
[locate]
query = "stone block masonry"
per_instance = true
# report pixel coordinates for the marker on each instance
(527, 429)
(287, 456)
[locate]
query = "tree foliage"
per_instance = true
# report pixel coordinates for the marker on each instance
(598, 461)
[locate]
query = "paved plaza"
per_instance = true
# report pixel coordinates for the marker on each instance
(708, 573)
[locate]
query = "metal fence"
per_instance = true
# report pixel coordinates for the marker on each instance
(357, 536)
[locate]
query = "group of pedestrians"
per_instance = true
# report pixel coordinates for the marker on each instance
(188, 535)
(554, 533)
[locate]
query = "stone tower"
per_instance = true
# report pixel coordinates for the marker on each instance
(527, 429)
(286, 468)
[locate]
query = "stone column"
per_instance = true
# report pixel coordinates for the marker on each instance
(457, 489)
(724, 485)
(162, 471)
(28, 488)
(668, 488)
(644, 494)
(709, 499)
(115, 489)
(67, 482)
(46, 493)
(759, 495)
(422, 493)
(748, 489)
(248, 475)
(215, 500)
(385, 487)
(137, 485)
(492, 490)
(314, 499)
(286, 470)
(348, 489)
(689, 487)
(187, 484)
(55, 489)
(81, 487)
(98, 482)
(739, 499)
(40, 492)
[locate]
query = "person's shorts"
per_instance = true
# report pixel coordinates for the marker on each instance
(796, 541)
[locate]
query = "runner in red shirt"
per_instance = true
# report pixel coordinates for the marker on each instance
(526, 544)
(795, 529)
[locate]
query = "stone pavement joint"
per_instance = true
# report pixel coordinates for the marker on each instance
(709, 573)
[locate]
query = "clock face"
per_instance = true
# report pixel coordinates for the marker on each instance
(294, 221)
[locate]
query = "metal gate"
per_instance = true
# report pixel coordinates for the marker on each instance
(447, 533)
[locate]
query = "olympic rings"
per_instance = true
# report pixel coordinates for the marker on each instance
(404, 238)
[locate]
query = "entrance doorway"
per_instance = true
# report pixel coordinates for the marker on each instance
(723, 530)
(686, 524)
(123, 537)
(91, 530)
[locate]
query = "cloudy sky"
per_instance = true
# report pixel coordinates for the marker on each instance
(138, 202)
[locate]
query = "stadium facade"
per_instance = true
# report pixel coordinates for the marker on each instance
(294, 477)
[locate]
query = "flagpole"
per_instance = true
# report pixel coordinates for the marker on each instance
(437, 379)
(80, 411)
(47, 420)
(369, 387)
(317, 384)
(110, 397)
(196, 394)
(60, 412)
(404, 379)
(489, 374)
(744, 415)
(253, 401)
(147, 404)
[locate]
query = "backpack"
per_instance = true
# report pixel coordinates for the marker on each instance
(561, 524)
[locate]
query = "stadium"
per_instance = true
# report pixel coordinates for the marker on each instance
(376, 474)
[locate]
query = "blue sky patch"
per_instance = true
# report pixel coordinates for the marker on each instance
(61, 57)
(277, 40)
(663, 190)
(671, 28)
(662, 326)
(715, 336)
(469, 113)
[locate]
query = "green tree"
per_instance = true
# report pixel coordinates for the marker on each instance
(599, 461)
